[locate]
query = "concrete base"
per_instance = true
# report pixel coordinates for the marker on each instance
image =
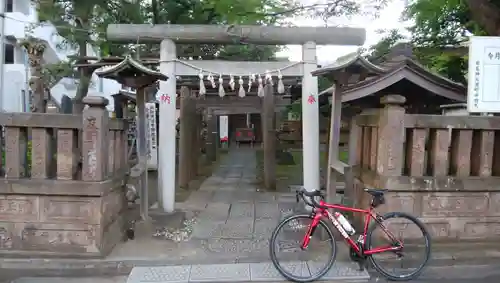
(238, 272)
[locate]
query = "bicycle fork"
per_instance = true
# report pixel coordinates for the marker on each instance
(310, 232)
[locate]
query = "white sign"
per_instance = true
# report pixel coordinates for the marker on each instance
(152, 136)
(484, 75)
(224, 128)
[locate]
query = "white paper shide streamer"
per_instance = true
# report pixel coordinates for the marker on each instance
(261, 79)
(232, 84)
(202, 90)
(269, 78)
(221, 87)
(251, 79)
(241, 90)
(281, 85)
(212, 80)
(260, 90)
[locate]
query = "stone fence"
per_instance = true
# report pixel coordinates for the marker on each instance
(443, 169)
(62, 189)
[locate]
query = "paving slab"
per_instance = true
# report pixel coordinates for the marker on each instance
(242, 209)
(241, 228)
(240, 272)
(171, 274)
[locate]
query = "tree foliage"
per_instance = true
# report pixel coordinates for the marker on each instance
(441, 26)
(83, 23)
(383, 46)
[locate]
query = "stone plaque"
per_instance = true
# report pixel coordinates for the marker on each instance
(481, 230)
(70, 210)
(400, 202)
(18, 208)
(448, 205)
(52, 238)
(5, 239)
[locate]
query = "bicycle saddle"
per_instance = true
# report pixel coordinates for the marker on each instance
(375, 192)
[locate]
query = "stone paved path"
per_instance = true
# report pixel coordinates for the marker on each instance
(234, 217)
(234, 223)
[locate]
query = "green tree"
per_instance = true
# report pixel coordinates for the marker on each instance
(383, 46)
(441, 26)
(81, 24)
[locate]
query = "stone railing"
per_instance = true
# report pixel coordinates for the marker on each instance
(443, 169)
(62, 188)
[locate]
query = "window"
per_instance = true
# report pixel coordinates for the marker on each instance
(9, 6)
(9, 54)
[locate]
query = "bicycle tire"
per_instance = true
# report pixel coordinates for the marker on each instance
(426, 235)
(275, 261)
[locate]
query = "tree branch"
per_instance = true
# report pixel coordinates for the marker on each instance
(486, 14)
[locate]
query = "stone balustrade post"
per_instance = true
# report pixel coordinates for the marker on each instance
(95, 139)
(391, 135)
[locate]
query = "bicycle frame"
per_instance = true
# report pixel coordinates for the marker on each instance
(360, 250)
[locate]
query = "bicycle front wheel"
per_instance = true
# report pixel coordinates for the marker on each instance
(408, 263)
(293, 262)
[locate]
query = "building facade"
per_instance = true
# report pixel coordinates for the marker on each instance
(20, 15)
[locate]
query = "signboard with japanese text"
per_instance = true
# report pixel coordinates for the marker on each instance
(152, 136)
(484, 75)
(223, 128)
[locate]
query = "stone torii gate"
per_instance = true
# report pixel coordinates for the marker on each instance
(169, 35)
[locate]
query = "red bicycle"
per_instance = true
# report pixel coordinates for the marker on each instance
(361, 250)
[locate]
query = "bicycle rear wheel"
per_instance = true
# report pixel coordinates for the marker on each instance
(287, 238)
(419, 241)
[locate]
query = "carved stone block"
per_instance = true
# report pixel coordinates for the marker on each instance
(482, 229)
(402, 202)
(19, 208)
(6, 236)
(111, 207)
(453, 205)
(63, 239)
(70, 209)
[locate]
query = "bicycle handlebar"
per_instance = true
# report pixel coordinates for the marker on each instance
(309, 198)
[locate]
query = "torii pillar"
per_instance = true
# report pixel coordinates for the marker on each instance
(308, 37)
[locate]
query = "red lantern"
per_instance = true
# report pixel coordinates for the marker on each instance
(238, 134)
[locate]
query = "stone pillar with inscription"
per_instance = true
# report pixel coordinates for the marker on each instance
(95, 139)
(391, 134)
(211, 144)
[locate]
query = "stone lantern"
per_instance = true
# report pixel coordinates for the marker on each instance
(132, 73)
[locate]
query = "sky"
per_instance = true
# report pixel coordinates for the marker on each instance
(388, 19)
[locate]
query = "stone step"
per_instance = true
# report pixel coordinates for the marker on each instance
(238, 272)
